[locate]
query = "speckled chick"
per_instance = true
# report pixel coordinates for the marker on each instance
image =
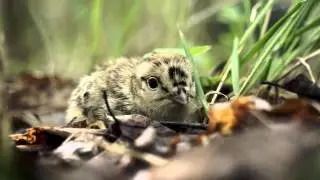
(159, 86)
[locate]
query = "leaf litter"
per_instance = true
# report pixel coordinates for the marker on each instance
(246, 137)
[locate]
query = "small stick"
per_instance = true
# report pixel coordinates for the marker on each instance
(184, 125)
(307, 66)
(105, 98)
(115, 128)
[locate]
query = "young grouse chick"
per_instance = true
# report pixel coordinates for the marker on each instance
(159, 86)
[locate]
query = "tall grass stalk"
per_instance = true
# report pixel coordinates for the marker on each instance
(199, 90)
(293, 35)
(244, 38)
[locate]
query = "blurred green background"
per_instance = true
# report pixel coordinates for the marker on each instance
(67, 37)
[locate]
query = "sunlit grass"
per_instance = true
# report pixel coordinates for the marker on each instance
(275, 48)
(86, 33)
(249, 31)
(75, 35)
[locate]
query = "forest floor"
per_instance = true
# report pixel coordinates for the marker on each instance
(266, 136)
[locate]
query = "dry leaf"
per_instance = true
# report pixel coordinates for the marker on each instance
(230, 114)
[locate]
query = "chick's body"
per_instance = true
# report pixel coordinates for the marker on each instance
(160, 87)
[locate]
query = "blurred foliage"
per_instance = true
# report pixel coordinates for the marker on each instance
(68, 37)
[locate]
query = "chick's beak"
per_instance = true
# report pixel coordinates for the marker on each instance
(181, 97)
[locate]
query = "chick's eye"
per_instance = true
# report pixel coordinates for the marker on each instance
(152, 83)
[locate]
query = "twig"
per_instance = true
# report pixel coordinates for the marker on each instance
(224, 77)
(105, 98)
(215, 93)
(115, 127)
(184, 125)
(68, 131)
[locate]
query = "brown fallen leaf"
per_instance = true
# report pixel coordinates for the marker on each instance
(230, 114)
(48, 137)
(31, 136)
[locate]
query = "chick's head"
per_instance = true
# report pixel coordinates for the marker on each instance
(164, 86)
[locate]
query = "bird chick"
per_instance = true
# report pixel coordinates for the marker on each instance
(159, 86)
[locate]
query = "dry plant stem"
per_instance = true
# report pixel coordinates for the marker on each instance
(265, 23)
(67, 131)
(224, 77)
(122, 150)
(254, 12)
(307, 66)
(184, 125)
(306, 58)
(215, 92)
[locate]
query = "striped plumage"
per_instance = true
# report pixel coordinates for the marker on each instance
(159, 86)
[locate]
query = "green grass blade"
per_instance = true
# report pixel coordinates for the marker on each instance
(244, 38)
(279, 65)
(265, 24)
(263, 71)
(247, 34)
(303, 16)
(267, 50)
(235, 69)
(261, 43)
(314, 24)
(259, 18)
(199, 50)
(247, 9)
(199, 90)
